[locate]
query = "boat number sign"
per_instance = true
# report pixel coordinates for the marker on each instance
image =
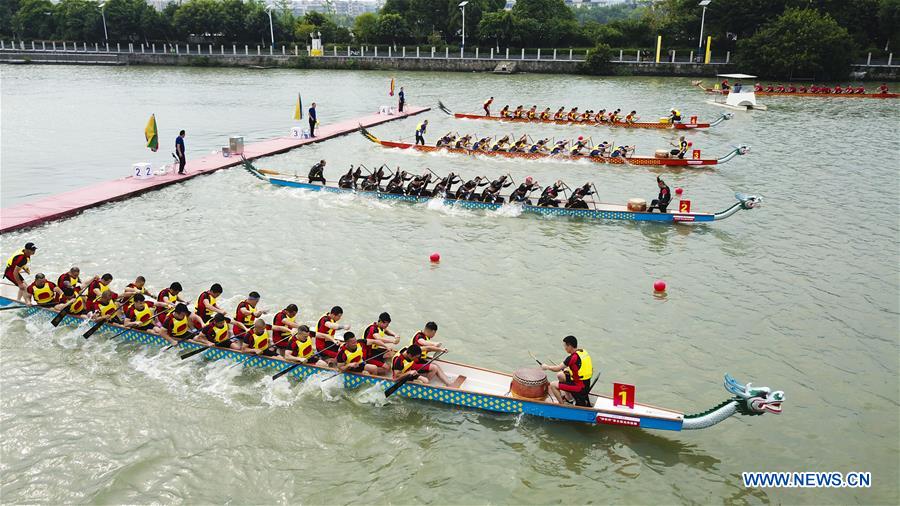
(684, 206)
(623, 395)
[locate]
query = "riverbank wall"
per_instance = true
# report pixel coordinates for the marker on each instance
(435, 64)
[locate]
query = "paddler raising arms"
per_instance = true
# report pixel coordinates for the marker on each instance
(18, 263)
(444, 187)
(348, 180)
(573, 375)
(662, 200)
(491, 194)
(395, 185)
(325, 328)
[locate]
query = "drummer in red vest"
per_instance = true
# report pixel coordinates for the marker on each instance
(883, 89)
(573, 375)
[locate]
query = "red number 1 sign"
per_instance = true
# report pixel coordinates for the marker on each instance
(623, 395)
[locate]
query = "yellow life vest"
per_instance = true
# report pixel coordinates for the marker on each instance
(260, 341)
(421, 128)
(353, 355)
(211, 301)
(73, 282)
(108, 308)
(249, 317)
(305, 348)
(586, 371)
(144, 316)
(179, 327)
(220, 333)
(416, 337)
(9, 262)
(407, 364)
(43, 295)
(77, 305)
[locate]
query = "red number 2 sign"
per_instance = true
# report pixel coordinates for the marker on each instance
(623, 395)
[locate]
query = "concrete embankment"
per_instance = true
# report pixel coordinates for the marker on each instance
(543, 66)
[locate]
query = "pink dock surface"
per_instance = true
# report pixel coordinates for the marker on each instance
(55, 207)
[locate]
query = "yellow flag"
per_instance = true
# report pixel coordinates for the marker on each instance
(151, 134)
(298, 109)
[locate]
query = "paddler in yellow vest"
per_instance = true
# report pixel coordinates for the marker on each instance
(518, 112)
(377, 339)
(325, 327)
(600, 117)
(17, 263)
(424, 339)
(76, 302)
(140, 314)
(136, 286)
(42, 292)
(487, 106)
(99, 286)
(178, 325)
(560, 114)
(614, 116)
(573, 114)
(168, 297)
(351, 357)
(259, 339)
(206, 306)
(284, 325)
(573, 375)
(674, 116)
(218, 333)
(504, 113)
(546, 115)
(303, 348)
(247, 312)
(70, 279)
(631, 117)
(106, 308)
(404, 362)
(532, 113)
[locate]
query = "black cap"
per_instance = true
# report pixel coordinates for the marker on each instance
(31, 246)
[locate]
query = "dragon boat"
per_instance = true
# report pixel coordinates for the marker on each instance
(801, 94)
(599, 211)
(660, 125)
(480, 388)
(649, 161)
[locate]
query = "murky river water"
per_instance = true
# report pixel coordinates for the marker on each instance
(800, 295)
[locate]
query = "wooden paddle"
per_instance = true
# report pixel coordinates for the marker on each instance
(97, 326)
(338, 373)
(396, 386)
(294, 366)
(204, 348)
(186, 338)
(65, 310)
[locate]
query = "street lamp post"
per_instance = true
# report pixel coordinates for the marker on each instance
(103, 15)
(269, 9)
(462, 7)
(703, 3)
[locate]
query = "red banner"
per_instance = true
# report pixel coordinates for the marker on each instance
(623, 395)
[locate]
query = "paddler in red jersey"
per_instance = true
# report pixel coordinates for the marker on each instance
(424, 340)
(18, 263)
(546, 115)
(838, 89)
(70, 279)
(168, 297)
(724, 85)
(284, 324)
(326, 326)
(206, 306)
(573, 375)
(757, 87)
(403, 362)
(76, 302)
(631, 117)
(247, 312)
(140, 315)
(780, 88)
(560, 114)
(859, 90)
(258, 339)
(883, 89)
(573, 114)
(136, 286)
(532, 113)
(504, 113)
(42, 292)
(218, 333)
(99, 286)
(177, 326)
(518, 112)
(377, 339)
(351, 357)
(105, 308)
(303, 349)
(791, 88)
(600, 117)
(487, 106)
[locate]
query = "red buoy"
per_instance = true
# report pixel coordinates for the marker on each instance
(435, 257)
(659, 286)
(678, 191)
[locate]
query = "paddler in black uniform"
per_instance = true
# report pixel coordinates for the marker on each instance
(559, 147)
(446, 140)
(575, 150)
(481, 144)
(419, 185)
(467, 191)
(662, 200)
(492, 192)
(372, 183)
(463, 142)
(539, 146)
(681, 147)
(550, 194)
(674, 116)
(395, 185)
(520, 194)
(576, 200)
(443, 188)
(348, 180)
(317, 173)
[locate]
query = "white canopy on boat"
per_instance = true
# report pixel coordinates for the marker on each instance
(737, 76)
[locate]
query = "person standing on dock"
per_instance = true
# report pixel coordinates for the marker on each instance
(313, 121)
(402, 99)
(420, 132)
(18, 263)
(179, 151)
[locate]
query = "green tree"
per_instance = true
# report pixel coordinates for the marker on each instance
(8, 9)
(801, 43)
(392, 28)
(365, 27)
(498, 26)
(132, 20)
(598, 61)
(200, 18)
(78, 20)
(34, 19)
(542, 10)
(889, 24)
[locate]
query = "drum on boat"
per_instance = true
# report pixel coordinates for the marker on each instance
(662, 153)
(637, 205)
(529, 383)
